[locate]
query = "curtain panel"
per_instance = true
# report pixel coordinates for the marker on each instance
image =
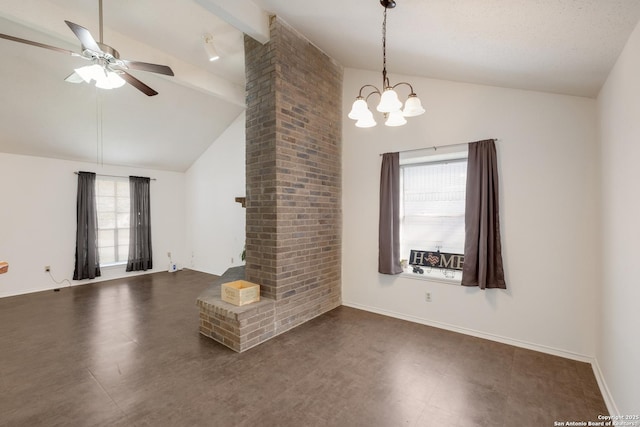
(389, 219)
(482, 250)
(87, 264)
(140, 254)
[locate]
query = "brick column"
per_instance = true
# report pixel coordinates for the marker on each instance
(293, 167)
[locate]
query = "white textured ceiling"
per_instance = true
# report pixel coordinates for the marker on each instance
(560, 46)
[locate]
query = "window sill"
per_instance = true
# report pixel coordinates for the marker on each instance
(434, 277)
(113, 266)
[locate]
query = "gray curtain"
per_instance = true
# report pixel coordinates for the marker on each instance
(389, 219)
(482, 248)
(87, 259)
(140, 255)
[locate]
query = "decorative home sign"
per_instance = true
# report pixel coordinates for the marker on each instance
(436, 260)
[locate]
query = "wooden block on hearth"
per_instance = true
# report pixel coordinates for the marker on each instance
(240, 292)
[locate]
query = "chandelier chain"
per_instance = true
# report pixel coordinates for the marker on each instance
(384, 50)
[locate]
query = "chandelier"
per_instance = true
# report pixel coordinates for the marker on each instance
(389, 104)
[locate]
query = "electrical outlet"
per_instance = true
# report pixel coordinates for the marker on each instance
(231, 260)
(47, 268)
(169, 254)
(427, 296)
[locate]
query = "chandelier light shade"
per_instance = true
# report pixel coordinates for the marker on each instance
(367, 120)
(359, 109)
(395, 118)
(209, 47)
(389, 103)
(412, 106)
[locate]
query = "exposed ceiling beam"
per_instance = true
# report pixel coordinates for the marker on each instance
(245, 15)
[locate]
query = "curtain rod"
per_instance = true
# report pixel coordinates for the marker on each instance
(435, 147)
(116, 176)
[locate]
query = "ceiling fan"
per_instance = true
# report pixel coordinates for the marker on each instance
(107, 69)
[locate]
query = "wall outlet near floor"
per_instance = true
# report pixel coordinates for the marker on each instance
(427, 296)
(47, 268)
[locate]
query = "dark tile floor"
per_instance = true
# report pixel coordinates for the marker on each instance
(127, 353)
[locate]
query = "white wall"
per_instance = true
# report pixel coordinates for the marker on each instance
(215, 226)
(38, 214)
(619, 347)
(547, 152)
(194, 214)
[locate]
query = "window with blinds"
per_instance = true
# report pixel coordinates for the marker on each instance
(432, 208)
(112, 203)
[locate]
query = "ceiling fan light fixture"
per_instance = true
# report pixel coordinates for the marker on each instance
(111, 80)
(74, 78)
(103, 77)
(89, 72)
(107, 69)
(209, 47)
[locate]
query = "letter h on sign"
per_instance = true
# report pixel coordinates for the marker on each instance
(417, 258)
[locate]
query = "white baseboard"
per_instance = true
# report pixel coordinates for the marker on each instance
(606, 393)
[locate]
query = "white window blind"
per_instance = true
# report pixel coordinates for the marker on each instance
(432, 206)
(112, 202)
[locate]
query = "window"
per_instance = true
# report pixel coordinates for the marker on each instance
(432, 208)
(112, 203)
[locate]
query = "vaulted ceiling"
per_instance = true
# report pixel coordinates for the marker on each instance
(43, 115)
(560, 46)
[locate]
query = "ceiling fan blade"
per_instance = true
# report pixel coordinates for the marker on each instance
(137, 84)
(84, 36)
(42, 45)
(145, 66)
